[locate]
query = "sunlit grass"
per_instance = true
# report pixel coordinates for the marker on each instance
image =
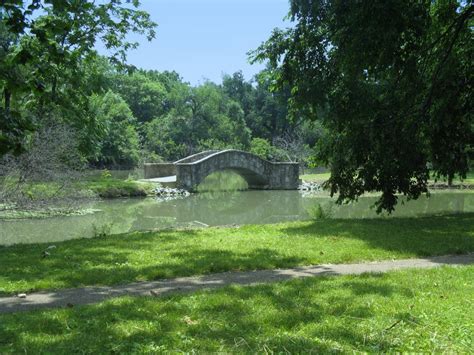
(109, 187)
(468, 180)
(163, 254)
(404, 311)
(321, 177)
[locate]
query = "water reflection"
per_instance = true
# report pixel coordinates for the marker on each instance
(218, 208)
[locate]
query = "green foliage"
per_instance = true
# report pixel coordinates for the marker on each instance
(320, 211)
(102, 231)
(109, 187)
(105, 174)
(119, 145)
(205, 118)
(145, 97)
(51, 74)
(262, 148)
(45, 45)
(395, 96)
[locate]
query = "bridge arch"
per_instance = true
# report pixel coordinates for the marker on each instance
(259, 173)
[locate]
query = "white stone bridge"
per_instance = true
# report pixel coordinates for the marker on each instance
(259, 173)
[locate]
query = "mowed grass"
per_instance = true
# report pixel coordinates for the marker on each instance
(142, 256)
(468, 180)
(321, 177)
(410, 310)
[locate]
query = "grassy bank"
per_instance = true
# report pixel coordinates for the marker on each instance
(412, 310)
(108, 187)
(164, 254)
(49, 199)
(321, 177)
(103, 186)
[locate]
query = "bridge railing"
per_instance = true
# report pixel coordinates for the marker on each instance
(195, 157)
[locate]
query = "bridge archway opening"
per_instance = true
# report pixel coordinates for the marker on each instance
(223, 180)
(232, 179)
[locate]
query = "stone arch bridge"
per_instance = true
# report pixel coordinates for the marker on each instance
(259, 173)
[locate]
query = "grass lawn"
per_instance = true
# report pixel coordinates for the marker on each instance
(320, 177)
(164, 254)
(410, 310)
(468, 180)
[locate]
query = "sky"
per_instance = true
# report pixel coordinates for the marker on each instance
(203, 39)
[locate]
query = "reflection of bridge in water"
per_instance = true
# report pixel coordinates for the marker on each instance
(259, 173)
(226, 208)
(127, 215)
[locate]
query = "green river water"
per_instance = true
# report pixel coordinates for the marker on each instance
(212, 209)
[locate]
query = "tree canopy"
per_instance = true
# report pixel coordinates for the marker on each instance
(391, 81)
(44, 47)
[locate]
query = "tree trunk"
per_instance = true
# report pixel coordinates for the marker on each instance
(8, 96)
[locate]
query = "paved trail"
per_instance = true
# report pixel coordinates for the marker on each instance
(87, 295)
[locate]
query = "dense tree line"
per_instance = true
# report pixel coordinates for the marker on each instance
(174, 119)
(121, 115)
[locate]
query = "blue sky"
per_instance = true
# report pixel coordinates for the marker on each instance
(202, 39)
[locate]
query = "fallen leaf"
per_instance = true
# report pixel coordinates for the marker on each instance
(189, 321)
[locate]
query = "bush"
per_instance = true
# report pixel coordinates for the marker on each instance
(44, 173)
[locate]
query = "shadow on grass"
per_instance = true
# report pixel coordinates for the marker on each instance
(101, 263)
(422, 236)
(321, 315)
(151, 256)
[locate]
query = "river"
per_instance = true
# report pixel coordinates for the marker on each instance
(214, 209)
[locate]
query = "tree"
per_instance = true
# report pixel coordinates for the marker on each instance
(391, 82)
(119, 145)
(46, 44)
(265, 112)
(239, 90)
(262, 148)
(145, 96)
(200, 118)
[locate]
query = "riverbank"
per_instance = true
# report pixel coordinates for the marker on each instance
(109, 187)
(142, 256)
(51, 199)
(126, 184)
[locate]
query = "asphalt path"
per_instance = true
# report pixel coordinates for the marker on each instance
(88, 295)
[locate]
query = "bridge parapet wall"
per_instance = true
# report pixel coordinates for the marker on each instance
(195, 157)
(156, 170)
(259, 173)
